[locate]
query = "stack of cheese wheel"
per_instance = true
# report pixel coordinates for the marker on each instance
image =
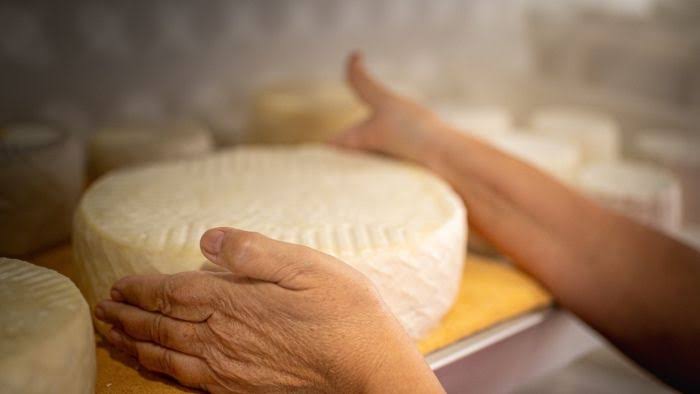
(644, 192)
(557, 158)
(401, 226)
(41, 170)
(124, 146)
(303, 112)
(679, 152)
(479, 121)
(596, 134)
(46, 337)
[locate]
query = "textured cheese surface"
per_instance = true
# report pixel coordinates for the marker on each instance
(46, 337)
(643, 191)
(124, 146)
(597, 134)
(303, 112)
(558, 158)
(401, 226)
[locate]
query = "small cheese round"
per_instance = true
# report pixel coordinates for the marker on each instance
(478, 121)
(401, 226)
(679, 152)
(116, 147)
(597, 134)
(303, 112)
(558, 158)
(47, 343)
(645, 192)
(41, 170)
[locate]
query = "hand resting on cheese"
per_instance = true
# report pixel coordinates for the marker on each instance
(279, 318)
(636, 286)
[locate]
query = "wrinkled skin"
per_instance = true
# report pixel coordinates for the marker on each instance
(277, 318)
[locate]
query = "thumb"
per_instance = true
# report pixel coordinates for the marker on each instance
(258, 257)
(367, 88)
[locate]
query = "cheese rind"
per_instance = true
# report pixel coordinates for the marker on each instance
(41, 170)
(597, 134)
(47, 343)
(642, 191)
(396, 223)
(303, 112)
(116, 147)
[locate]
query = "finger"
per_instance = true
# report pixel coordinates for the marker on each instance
(153, 327)
(258, 257)
(185, 296)
(188, 370)
(366, 87)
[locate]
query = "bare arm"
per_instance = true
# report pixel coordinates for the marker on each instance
(637, 287)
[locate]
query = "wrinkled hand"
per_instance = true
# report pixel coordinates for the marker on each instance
(397, 126)
(281, 318)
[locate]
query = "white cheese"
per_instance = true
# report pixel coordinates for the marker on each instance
(47, 343)
(679, 152)
(124, 146)
(557, 158)
(644, 192)
(41, 170)
(303, 112)
(398, 224)
(478, 121)
(597, 134)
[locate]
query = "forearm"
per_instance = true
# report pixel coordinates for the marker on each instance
(622, 278)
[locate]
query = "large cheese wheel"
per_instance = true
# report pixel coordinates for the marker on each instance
(597, 134)
(303, 112)
(398, 224)
(41, 173)
(680, 152)
(478, 121)
(645, 192)
(557, 158)
(46, 338)
(130, 145)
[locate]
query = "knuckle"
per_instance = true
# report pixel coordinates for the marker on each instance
(165, 361)
(157, 330)
(167, 290)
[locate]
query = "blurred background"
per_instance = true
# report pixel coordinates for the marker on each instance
(604, 95)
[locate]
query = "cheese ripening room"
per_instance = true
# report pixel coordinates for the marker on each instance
(457, 196)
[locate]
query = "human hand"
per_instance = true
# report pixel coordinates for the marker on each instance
(282, 318)
(397, 125)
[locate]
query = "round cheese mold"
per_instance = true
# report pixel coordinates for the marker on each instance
(47, 343)
(679, 152)
(42, 173)
(298, 112)
(401, 226)
(597, 134)
(642, 191)
(116, 147)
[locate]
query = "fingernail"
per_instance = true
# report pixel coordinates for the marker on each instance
(116, 295)
(211, 242)
(99, 313)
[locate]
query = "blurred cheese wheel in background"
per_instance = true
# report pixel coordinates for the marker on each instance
(303, 112)
(129, 145)
(690, 235)
(557, 158)
(679, 152)
(478, 121)
(647, 193)
(42, 175)
(597, 134)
